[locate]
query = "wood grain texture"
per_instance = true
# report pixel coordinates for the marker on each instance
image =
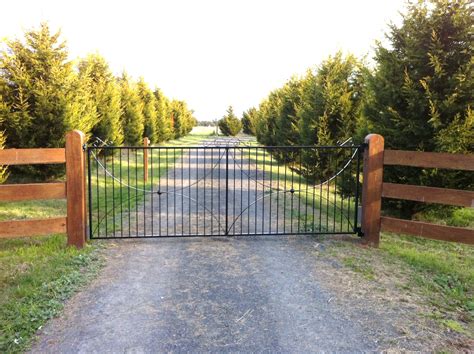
(33, 191)
(372, 188)
(32, 156)
(429, 159)
(32, 227)
(75, 189)
(426, 230)
(428, 194)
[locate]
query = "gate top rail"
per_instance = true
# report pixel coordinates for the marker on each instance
(222, 147)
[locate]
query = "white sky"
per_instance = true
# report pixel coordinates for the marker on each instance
(211, 54)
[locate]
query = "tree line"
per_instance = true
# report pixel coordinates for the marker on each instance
(43, 95)
(418, 95)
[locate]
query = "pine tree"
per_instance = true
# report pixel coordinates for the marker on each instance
(132, 108)
(422, 90)
(148, 110)
(230, 125)
(249, 121)
(182, 118)
(95, 72)
(164, 124)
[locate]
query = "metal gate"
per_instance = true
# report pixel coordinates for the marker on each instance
(223, 188)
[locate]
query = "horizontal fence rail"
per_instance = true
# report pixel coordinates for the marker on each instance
(427, 194)
(73, 190)
(32, 156)
(224, 190)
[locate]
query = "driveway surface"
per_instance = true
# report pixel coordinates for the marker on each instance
(216, 295)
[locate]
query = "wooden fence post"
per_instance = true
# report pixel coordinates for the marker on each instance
(146, 143)
(75, 189)
(372, 188)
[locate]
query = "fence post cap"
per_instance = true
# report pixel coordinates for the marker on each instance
(373, 137)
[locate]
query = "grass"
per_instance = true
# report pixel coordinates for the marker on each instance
(38, 274)
(440, 273)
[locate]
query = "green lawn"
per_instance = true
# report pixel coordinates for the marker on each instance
(37, 274)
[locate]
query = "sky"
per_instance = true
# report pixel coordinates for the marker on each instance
(210, 53)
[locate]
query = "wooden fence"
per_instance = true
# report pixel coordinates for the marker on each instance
(73, 190)
(374, 189)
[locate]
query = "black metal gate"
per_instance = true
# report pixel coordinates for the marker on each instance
(223, 188)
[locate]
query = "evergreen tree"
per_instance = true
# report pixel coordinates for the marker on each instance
(94, 71)
(422, 90)
(148, 110)
(230, 125)
(249, 121)
(42, 93)
(164, 124)
(132, 108)
(182, 118)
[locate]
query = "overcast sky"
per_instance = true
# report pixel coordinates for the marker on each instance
(211, 54)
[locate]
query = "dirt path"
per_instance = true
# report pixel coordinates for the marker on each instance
(253, 294)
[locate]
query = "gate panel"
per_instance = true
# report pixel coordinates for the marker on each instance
(233, 189)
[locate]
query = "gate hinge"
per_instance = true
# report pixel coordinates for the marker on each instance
(84, 147)
(358, 231)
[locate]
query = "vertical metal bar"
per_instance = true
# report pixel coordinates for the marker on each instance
(121, 193)
(128, 191)
(285, 194)
(182, 191)
(256, 187)
(219, 190)
(152, 193)
(105, 192)
(98, 190)
(292, 193)
(212, 191)
(174, 191)
(241, 191)
(248, 192)
(349, 194)
(335, 191)
(356, 211)
(167, 193)
(227, 190)
(299, 190)
(136, 191)
(160, 191)
(204, 195)
(113, 190)
(89, 181)
(145, 177)
(189, 190)
(278, 196)
(263, 192)
(306, 195)
(271, 194)
(234, 161)
(320, 203)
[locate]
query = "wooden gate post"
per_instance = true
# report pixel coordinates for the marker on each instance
(75, 189)
(372, 188)
(146, 143)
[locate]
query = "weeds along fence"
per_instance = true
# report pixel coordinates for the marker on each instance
(374, 189)
(73, 190)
